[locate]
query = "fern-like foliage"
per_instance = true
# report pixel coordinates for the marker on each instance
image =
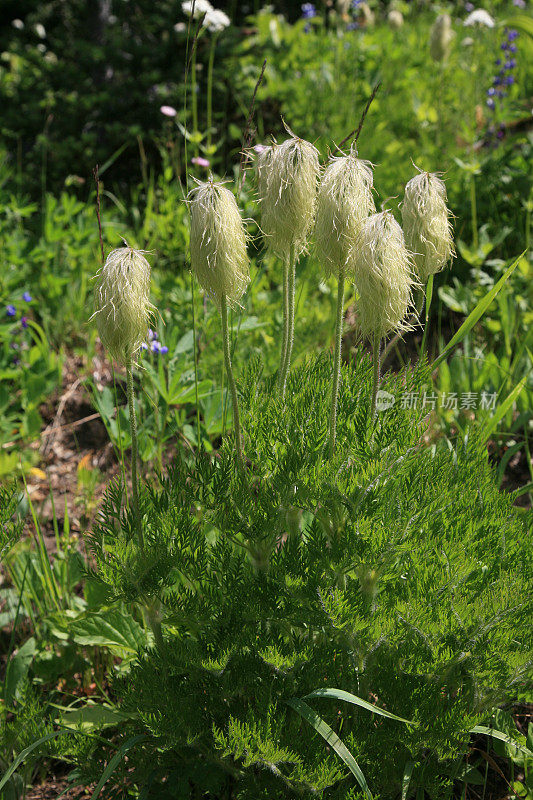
(395, 571)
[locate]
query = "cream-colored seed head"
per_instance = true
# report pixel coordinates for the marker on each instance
(426, 223)
(218, 242)
(440, 37)
(344, 202)
(121, 300)
(384, 276)
(395, 19)
(287, 184)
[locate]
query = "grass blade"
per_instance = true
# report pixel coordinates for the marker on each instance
(339, 694)
(26, 752)
(117, 758)
(503, 409)
(502, 737)
(332, 740)
(406, 780)
(477, 313)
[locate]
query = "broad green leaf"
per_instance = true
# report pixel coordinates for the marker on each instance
(477, 313)
(110, 628)
(17, 669)
(332, 740)
(339, 694)
(93, 715)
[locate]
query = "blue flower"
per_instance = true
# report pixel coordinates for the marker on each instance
(11, 311)
(509, 80)
(27, 297)
(512, 35)
(491, 92)
(491, 104)
(352, 26)
(498, 62)
(24, 322)
(144, 346)
(504, 46)
(511, 64)
(155, 347)
(163, 349)
(308, 10)
(151, 335)
(512, 48)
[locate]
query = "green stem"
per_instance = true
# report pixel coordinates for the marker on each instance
(134, 448)
(429, 295)
(194, 102)
(336, 363)
(231, 382)
(210, 87)
(376, 355)
(473, 208)
(285, 320)
(198, 439)
(290, 319)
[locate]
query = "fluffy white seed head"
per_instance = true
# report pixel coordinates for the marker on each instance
(121, 302)
(344, 201)
(395, 19)
(218, 242)
(440, 37)
(426, 224)
(384, 276)
(287, 177)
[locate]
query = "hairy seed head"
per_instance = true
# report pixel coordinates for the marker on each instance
(344, 202)
(383, 276)
(121, 302)
(287, 181)
(426, 223)
(440, 37)
(218, 242)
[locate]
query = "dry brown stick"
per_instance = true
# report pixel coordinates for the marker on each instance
(248, 134)
(97, 182)
(355, 133)
(55, 427)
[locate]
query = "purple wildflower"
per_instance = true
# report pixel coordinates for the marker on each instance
(11, 311)
(308, 11)
(24, 322)
(27, 297)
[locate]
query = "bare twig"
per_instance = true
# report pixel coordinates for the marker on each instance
(248, 132)
(97, 182)
(355, 133)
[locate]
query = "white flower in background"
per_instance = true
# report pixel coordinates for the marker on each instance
(215, 20)
(480, 17)
(40, 30)
(18, 24)
(180, 27)
(467, 41)
(196, 8)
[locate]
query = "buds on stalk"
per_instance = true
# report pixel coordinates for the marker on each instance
(383, 276)
(287, 183)
(122, 305)
(344, 202)
(218, 242)
(426, 223)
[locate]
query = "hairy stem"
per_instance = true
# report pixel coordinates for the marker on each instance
(290, 319)
(134, 449)
(285, 321)
(429, 295)
(376, 354)
(210, 87)
(231, 382)
(336, 363)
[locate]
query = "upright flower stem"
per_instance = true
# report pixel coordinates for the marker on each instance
(429, 295)
(285, 321)
(376, 354)
(194, 101)
(231, 382)
(336, 363)
(473, 211)
(290, 320)
(134, 449)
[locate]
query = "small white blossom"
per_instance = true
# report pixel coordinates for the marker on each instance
(216, 20)
(480, 17)
(40, 30)
(196, 8)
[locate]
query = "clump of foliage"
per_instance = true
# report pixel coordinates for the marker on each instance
(393, 571)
